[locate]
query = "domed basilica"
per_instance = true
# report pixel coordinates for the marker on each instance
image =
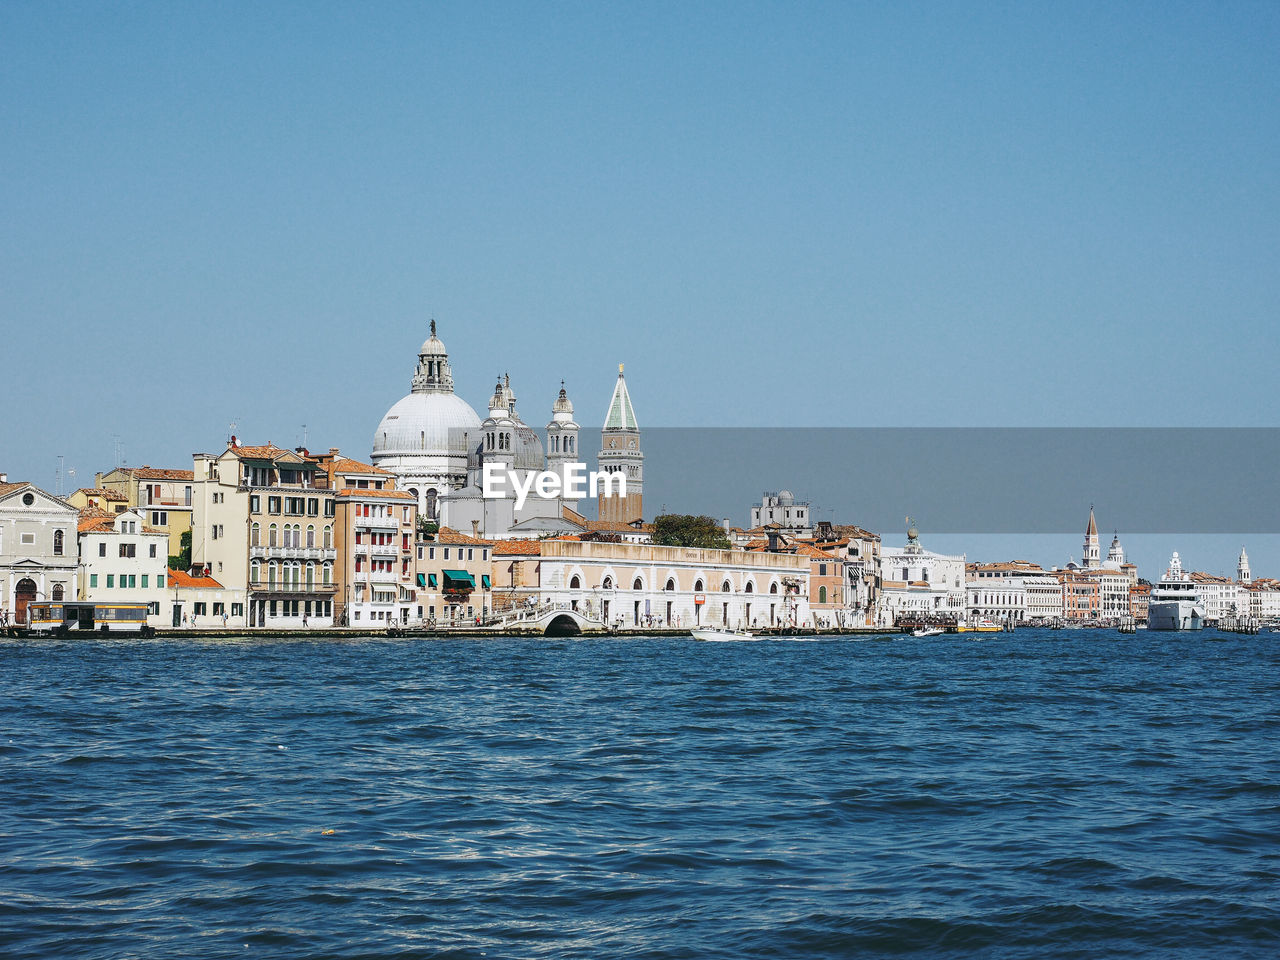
(437, 446)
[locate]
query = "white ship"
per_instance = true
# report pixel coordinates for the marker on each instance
(1175, 602)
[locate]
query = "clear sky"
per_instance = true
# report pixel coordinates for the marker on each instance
(776, 214)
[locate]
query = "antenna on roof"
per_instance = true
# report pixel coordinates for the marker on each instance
(119, 451)
(57, 478)
(231, 428)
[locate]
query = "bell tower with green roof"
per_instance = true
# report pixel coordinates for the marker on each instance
(620, 453)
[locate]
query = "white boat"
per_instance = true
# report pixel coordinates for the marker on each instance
(1175, 601)
(717, 636)
(927, 632)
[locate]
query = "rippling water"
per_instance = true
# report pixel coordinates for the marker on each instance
(1037, 794)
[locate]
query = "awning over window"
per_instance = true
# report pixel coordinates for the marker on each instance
(431, 579)
(484, 580)
(422, 579)
(459, 576)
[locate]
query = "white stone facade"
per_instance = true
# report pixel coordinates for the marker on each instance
(38, 561)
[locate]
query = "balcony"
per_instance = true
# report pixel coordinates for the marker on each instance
(279, 587)
(375, 523)
(292, 553)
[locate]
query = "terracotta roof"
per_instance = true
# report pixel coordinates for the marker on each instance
(347, 465)
(809, 550)
(180, 578)
(98, 522)
(447, 535)
(158, 473)
(103, 493)
(10, 487)
(266, 452)
(854, 531)
(506, 548)
(350, 493)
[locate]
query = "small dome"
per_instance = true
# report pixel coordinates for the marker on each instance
(786, 498)
(425, 425)
(433, 346)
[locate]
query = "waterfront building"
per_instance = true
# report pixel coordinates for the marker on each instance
(792, 517)
(123, 561)
(162, 495)
(1113, 592)
(1139, 601)
(38, 560)
(375, 527)
(826, 578)
(1222, 597)
(202, 603)
(634, 586)
(454, 574)
(263, 522)
(620, 453)
(105, 501)
(1264, 599)
(1081, 599)
(1001, 599)
(1040, 594)
(860, 550)
(915, 582)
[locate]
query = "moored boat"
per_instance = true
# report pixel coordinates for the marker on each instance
(721, 635)
(1175, 601)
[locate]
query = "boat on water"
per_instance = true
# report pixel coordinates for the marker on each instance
(717, 636)
(927, 632)
(981, 625)
(1175, 601)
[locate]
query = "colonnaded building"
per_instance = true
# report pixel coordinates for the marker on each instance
(437, 447)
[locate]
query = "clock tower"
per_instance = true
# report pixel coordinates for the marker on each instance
(620, 453)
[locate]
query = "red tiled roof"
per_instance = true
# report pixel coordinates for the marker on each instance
(517, 547)
(350, 493)
(103, 493)
(450, 536)
(180, 578)
(347, 465)
(158, 473)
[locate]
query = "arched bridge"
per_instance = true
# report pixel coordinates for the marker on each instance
(548, 619)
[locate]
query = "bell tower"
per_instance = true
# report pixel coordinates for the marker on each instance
(620, 453)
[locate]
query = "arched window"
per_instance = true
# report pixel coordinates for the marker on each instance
(255, 572)
(749, 588)
(671, 584)
(638, 585)
(272, 536)
(726, 587)
(271, 576)
(328, 574)
(297, 535)
(57, 547)
(328, 537)
(822, 594)
(697, 585)
(773, 587)
(311, 575)
(311, 535)
(575, 583)
(255, 534)
(607, 583)
(431, 504)
(57, 589)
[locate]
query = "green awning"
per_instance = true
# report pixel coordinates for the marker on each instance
(484, 579)
(422, 579)
(461, 576)
(431, 579)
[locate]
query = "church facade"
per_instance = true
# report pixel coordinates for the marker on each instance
(438, 447)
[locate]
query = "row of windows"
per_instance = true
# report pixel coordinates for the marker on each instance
(126, 581)
(288, 536)
(290, 574)
(291, 506)
(575, 583)
(470, 551)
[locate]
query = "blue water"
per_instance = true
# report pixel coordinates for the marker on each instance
(1069, 794)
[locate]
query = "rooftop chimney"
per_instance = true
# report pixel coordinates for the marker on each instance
(773, 541)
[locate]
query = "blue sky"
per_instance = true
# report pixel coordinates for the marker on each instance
(775, 214)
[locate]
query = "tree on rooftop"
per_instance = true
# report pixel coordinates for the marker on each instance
(683, 530)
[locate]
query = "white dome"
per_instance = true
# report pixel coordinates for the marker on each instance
(786, 497)
(425, 425)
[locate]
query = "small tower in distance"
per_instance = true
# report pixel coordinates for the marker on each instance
(620, 453)
(1090, 558)
(1243, 574)
(562, 439)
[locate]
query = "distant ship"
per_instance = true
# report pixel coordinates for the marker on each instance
(1175, 602)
